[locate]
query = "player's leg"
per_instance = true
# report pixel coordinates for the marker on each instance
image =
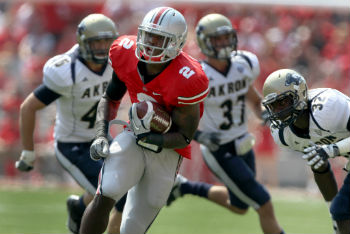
(238, 174)
(122, 169)
(145, 200)
(340, 208)
(115, 218)
(215, 193)
(75, 159)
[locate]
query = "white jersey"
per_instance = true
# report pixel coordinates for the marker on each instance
(329, 121)
(224, 107)
(76, 107)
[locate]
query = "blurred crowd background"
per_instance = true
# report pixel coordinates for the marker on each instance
(313, 40)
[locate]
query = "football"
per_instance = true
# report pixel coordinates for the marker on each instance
(161, 120)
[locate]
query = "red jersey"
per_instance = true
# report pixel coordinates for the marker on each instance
(183, 82)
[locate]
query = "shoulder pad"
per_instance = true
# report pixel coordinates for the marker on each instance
(251, 59)
(330, 109)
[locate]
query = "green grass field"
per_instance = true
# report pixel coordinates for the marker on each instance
(42, 210)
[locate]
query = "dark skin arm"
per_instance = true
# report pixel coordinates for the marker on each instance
(108, 106)
(186, 118)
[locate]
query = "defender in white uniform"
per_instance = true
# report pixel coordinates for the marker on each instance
(226, 144)
(316, 122)
(76, 81)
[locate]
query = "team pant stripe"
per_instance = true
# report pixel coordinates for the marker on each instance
(215, 167)
(75, 172)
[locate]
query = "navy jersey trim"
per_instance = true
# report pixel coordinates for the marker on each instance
(280, 135)
(45, 95)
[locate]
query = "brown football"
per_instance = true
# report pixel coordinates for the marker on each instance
(161, 121)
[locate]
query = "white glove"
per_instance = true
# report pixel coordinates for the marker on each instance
(317, 155)
(99, 148)
(244, 144)
(141, 126)
(209, 139)
(26, 161)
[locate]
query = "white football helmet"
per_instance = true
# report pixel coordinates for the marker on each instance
(285, 96)
(211, 26)
(95, 27)
(161, 35)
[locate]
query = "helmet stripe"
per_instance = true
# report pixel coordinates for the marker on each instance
(157, 19)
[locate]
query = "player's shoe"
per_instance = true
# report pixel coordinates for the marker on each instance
(176, 190)
(74, 214)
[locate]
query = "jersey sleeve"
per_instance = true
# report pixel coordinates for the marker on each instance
(331, 110)
(57, 75)
(195, 92)
(190, 89)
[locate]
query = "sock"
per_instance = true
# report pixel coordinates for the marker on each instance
(196, 188)
(81, 206)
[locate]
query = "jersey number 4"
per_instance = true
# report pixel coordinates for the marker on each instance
(90, 116)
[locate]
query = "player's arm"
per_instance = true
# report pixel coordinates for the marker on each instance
(106, 111)
(254, 100)
(109, 104)
(41, 97)
(185, 119)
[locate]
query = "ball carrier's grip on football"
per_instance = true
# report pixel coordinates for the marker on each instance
(161, 120)
(160, 123)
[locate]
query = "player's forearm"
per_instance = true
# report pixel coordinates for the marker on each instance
(344, 146)
(326, 183)
(106, 111)
(186, 120)
(27, 125)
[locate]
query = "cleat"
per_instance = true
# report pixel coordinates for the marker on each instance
(74, 214)
(176, 190)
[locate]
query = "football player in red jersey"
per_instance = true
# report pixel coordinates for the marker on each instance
(151, 67)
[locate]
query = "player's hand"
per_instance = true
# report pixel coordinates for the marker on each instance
(26, 161)
(209, 139)
(318, 155)
(140, 126)
(99, 148)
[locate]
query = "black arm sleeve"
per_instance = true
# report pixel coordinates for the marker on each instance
(116, 88)
(45, 95)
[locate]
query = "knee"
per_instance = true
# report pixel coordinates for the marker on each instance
(237, 210)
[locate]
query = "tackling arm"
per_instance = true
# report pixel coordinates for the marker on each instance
(254, 99)
(28, 110)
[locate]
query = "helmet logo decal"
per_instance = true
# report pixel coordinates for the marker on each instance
(292, 78)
